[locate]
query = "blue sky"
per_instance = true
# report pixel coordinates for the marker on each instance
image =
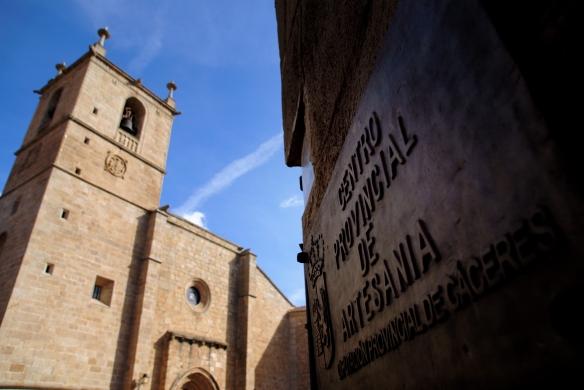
(226, 165)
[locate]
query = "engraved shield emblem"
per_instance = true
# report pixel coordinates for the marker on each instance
(115, 165)
(324, 346)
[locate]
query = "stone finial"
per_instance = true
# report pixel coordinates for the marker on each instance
(60, 68)
(103, 35)
(171, 86)
(98, 47)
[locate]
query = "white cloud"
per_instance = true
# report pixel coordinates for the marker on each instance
(230, 173)
(196, 217)
(298, 297)
(293, 201)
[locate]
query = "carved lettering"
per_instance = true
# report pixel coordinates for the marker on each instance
(426, 249)
(365, 148)
(408, 141)
(411, 255)
(375, 166)
(467, 281)
(367, 255)
(380, 290)
(395, 157)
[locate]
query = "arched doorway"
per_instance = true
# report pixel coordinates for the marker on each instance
(197, 379)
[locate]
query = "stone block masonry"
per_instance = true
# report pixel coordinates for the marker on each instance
(102, 289)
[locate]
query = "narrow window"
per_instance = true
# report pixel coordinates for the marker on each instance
(2, 242)
(49, 268)
(51, 108)
(132, 117)
(15, 206)
(86, 141)
(78, 171)
(95, 110)
(103, 290)
(64, 214)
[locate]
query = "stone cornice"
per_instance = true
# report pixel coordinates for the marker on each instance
(118, 70)
(182, 337)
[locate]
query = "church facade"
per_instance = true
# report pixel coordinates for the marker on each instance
(102, 288)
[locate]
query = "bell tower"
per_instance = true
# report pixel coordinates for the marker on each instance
(92, 107)
(73, 224)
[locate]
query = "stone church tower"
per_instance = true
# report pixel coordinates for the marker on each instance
(99, 287)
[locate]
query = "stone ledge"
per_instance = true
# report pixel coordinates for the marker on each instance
(182, 337)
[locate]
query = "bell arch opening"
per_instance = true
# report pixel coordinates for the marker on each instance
(50, 110)
(133, 115)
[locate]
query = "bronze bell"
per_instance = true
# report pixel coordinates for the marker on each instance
(127, 124)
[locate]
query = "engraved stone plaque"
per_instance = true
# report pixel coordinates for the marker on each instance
(444, 252)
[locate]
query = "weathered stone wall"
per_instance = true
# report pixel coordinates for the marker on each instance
(269, 362)
(105, 90)
(282, 350)
(16, 223)
(299, 374)
(179, 253)
(82, 149)
(327, 52)
(66, 206)
(53, 332)
(246, 312)
(36, 157)
(59, 334)
(71, 85)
